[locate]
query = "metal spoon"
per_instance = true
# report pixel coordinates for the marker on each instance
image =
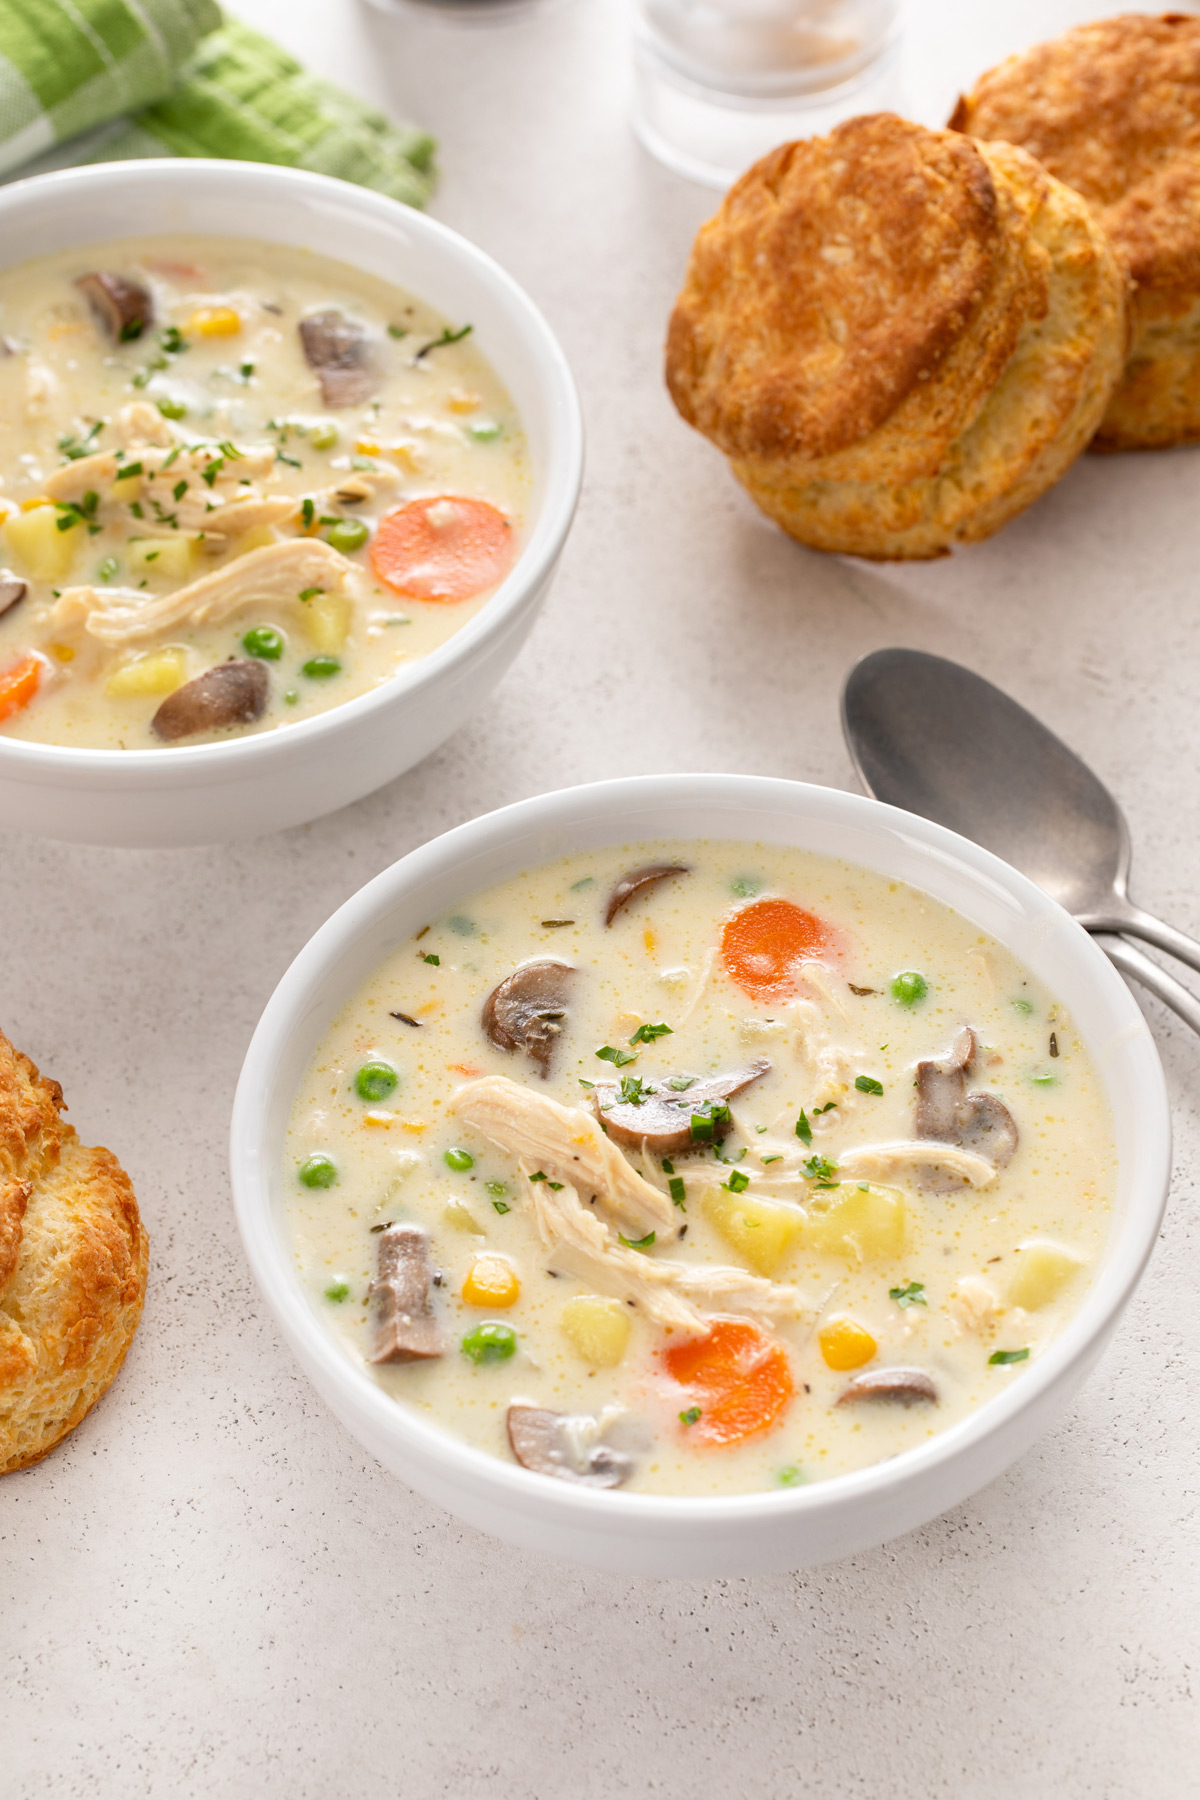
(936, 739)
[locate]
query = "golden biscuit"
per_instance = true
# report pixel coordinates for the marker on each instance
(899, 337)
(72, 1267)
(1113, 109)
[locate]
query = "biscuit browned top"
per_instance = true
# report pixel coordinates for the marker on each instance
(838, 273)
(1113, 109)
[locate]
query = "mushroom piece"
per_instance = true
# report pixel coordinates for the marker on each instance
(12, 590)
(234, 693)
(662, 1121)
(124, 307)
(947, 1114)
(637, 882)
(903, 1387)
(526, 1010)
(547, 1443)
(405, 1327)
(339, 350)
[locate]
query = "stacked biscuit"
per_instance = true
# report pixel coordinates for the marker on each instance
(901, 338)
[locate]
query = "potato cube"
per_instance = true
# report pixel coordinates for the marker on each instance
(327, 621)
(759, 1231)
(169, 559)
(1042, 1271)
(156, 672)
(34, 538)
(461, 1218)
(597, 1327)
(857, 1221)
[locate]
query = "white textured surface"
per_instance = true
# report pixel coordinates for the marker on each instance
(209, 1589)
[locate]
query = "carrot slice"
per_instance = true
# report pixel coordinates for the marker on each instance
(739, 1378)
(443, 548)
(18, 684)
(763, 945)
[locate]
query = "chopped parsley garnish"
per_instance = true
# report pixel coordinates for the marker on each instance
(821, 1170)
(587, 881)
(691, 1416)
(179, 490)
(397, 331)
(555, 1186)
(429, 957)
(246, 371)
(770, 1159)
(737, 1183)
(307, 594)
(912, 1294)
(447, 337)
(619, 1058)
(173, 341)
(706, 1117)
(108, 568)
(867, 1084)
(803, 1128)
(677, 1188)
(646, 1034)
(133, 468)
(590, 1085)
(668, 1167)
(501, 1206)
(681, 1083)
(635, 1091)
(132, 328)
(307, 509)
(831, 1105)
(639, 1243)
(1004, 1357)
(78, 512)
(73, 448)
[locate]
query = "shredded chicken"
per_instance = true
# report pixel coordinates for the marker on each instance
(163, 468)
(567, 1144)
(220, 528)
(363, 484)
(142, 423)
(830, 1066)
(278, 572)
(878, 1162)
(669, 1293)
(974, 1304)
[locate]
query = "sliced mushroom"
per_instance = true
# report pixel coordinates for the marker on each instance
(637, 882)
(903, 1387)
(663, 1120)
(234, 693)
(947, 1114)
(12, 589)
(526, 1010)
(340, 351)
(405, 1327)
(544, 1442)
(124, 307)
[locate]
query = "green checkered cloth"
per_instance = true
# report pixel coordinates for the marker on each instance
(104, 80)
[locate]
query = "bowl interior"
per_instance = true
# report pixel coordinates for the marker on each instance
(862, 832)
(368, 231)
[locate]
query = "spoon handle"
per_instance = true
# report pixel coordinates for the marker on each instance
(1132, 963)
(1163, 937)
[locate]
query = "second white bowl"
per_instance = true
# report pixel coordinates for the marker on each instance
(201, 793)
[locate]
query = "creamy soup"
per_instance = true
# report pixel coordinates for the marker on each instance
(699, 1168)
(239, 484)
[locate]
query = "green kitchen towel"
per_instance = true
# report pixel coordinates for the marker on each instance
(170, 78)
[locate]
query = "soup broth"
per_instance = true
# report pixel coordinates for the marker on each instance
(896, 1207)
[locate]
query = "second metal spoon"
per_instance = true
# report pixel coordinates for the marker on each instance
(936, 739)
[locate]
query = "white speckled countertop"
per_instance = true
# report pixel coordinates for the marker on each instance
(209, 1589)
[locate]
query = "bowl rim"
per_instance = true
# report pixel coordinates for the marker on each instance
(270, 1254)
(549, 526)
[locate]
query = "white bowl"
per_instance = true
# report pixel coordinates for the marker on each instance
(650, 1534)
(202, 793)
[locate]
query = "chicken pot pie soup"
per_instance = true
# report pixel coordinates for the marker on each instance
(699, 1168)
(238, 485)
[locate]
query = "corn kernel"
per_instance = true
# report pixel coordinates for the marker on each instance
(380, 1120)
(62, 653)
(490, 1283)
(845, 1344)
(367, 447)
(460, 402)
(215, 321)
(38, 500)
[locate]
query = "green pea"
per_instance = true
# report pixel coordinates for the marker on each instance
(909, 988)
(791, 1476)
(320, 668)
(484, 431)
(264, 641)
(338, 1291)
(291, 697)
(459, 1159)
(490, 1343)
(375, 1081)
(324, 435)
(746, 886)
(172, 409)
(347, 535)
(318, 1171)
